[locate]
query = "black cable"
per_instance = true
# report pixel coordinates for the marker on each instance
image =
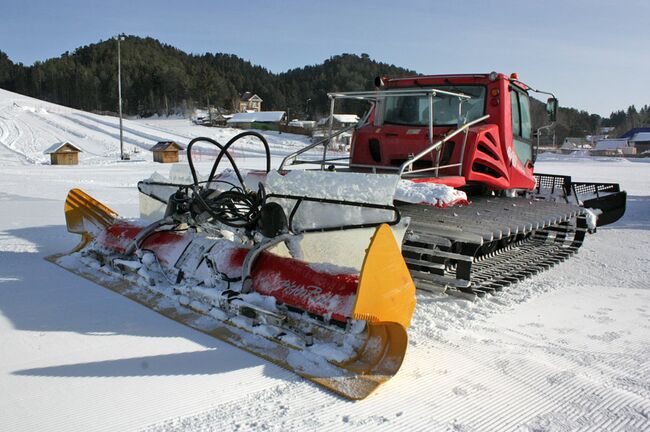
(236, 208)
(221, 148)
(232, 141)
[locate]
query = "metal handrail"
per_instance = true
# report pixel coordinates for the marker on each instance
(438, 143)
(373, 97)
(410, 162)
(297, 153)
(376, 94)
(433, 168)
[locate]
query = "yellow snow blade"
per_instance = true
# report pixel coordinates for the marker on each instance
(85, 215)
(386, 291)
(385, 299)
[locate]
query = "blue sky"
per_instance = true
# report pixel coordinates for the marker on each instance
(593, 55)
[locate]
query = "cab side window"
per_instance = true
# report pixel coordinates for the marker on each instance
(516, 123)
(521, 125)
(524, 114)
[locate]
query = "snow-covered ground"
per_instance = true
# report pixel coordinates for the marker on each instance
(29, 126)
(567, 350)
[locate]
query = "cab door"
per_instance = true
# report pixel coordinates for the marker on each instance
(521, 126)
(521, 152)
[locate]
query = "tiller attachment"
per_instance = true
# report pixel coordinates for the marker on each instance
(342, 327)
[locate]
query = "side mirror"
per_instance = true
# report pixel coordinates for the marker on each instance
(551, 108)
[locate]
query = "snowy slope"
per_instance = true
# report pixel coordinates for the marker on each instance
(28, 126)
(567, 350)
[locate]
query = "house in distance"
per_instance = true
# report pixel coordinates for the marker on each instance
(166, 151)
(63, 153)
(249, 102)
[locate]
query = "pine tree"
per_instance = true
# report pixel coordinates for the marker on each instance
(158, 78)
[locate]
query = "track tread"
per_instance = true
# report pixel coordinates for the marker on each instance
(536, 234)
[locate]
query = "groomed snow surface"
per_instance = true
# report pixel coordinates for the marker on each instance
(567, 350)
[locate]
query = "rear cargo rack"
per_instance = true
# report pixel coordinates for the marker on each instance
(595, 189)
(563, 186)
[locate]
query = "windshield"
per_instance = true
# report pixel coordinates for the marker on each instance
(414, 110)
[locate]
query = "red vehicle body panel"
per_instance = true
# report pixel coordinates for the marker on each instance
(489, 157)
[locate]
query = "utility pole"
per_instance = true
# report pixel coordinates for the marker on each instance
(209, 111)
(119, 92)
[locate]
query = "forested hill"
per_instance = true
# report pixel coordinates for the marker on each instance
(160, 79)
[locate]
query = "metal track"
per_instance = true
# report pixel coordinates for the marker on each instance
(492, 243)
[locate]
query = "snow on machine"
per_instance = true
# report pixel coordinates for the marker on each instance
(316, 270)
(471, 133)
(312, 282)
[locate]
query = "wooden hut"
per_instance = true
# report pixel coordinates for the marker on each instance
(166, 152)
(63, 153)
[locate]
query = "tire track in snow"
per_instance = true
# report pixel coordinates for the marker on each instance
(35, 148)
(620, 398)
(614, 366)
(8, 139)
(511, 384)
(25, 144)
(127, 138)
(248, 146)
(58, 125)
(372, 412)
(491, 409)
(511, 394)
(49, 124)
(166, 131)
(129, 129)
